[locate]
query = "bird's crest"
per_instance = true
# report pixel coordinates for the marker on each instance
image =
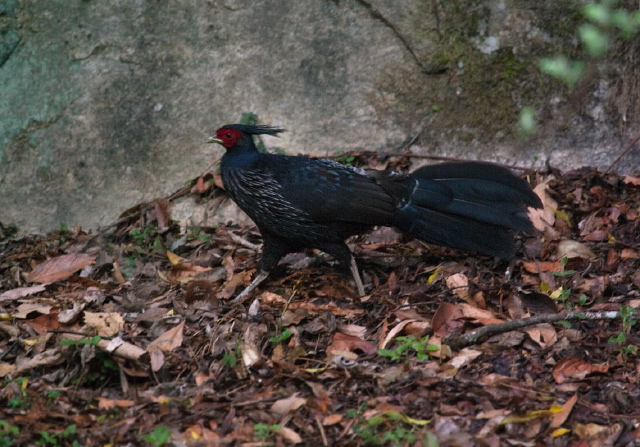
(254, 130)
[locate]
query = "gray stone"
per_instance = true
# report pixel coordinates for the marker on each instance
(106, 104)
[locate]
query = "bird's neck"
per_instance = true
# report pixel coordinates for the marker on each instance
(241, 156)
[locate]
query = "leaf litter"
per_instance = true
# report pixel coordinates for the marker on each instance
(128, 335)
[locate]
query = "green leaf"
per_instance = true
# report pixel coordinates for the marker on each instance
(594, 40)
(561, 68)
(249, 119)
(597, 13)
(527, 122)
(158, 437)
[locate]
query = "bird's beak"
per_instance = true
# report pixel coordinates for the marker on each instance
(213, 140)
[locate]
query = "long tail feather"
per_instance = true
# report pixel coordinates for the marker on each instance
(471, 205)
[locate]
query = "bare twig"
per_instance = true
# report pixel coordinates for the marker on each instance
(425, 156)
(242, 241)
(622, 154)
(470, 338)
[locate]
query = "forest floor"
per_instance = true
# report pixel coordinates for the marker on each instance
(129, 336)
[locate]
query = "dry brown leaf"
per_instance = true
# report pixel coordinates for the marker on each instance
(312, 308)
(21, 292)
(545, 216)
(169, 340)
(157, 359)
(162, 215)
(289, 435)
(202, 377)
(494, 379)
(106, 324)
(7, 368)
(332, 419)
(480, 315)
(201, 290)
(185, 271)
(47, 358)
(464, 357)
(589, 431)
(543, 334)
(287, 405)
(446, 319)
(354, 330)
(250, 354)
(568, 248)
(626, 253)
(68, 316)
(110, 404)
(24, 309)
(44, 323)
(344, 345)
(60, 267)
(393, 333)
(559, 418)
(628, 179)
(459, 284)
(570, 369)
(540, 266)
(417, 328)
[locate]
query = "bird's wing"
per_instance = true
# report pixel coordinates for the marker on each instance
(328, 192)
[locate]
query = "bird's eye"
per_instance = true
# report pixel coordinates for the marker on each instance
(227, 135)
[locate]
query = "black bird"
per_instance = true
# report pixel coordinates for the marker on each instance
(300, 202)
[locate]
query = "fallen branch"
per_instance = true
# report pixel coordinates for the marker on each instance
(470, 338)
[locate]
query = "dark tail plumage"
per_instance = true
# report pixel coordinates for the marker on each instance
(470, 205)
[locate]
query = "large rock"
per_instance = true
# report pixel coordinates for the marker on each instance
(106, 104)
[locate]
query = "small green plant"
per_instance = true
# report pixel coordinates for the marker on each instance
(603, 24)
(527, 122)
(561, 294)
(52, 396)
(409, 344)
(626, 313)
(282, 336)
(346, 160)
(63, 228)
(22, 400)
(84, 341)
(564, 272)
(158, 437)
(8, 433)
(389, 428)
(264, 431)
(106, 368)
(143, 237)
(230, 359)
(196, 233)
(58, 439)
(395, 435)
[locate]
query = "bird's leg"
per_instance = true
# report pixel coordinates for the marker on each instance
(356, 276)
(272, 251)
(261, 276)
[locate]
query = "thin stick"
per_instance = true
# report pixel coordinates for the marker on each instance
(470, 338)
(622, 154)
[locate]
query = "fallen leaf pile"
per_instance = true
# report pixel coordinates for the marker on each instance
(127, 336)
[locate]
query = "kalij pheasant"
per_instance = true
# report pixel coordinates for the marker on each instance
(299, 202)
